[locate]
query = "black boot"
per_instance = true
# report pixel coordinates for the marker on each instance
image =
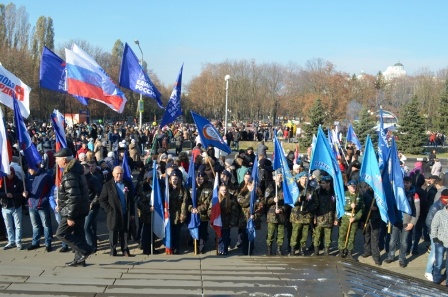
(302, 251)
(292, 251)
(316, 251)
(341, 254)
(279, 250)
(327, 251)
(268, 251)
(350, 256)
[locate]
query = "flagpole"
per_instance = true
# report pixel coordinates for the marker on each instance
(152, 230)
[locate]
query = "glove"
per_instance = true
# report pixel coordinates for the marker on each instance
(436, 240)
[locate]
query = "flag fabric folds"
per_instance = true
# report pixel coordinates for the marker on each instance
(323, 159)
(195, 220)
(4, 153)
(156, 202)
(53, 73)
(167, 223)
(87, 79)
(389, 192)
(370, 174)
(57, 120)
(290, 188)
(11, 86)
(133, 77)
(396, 177)
(383, 148)
(250, 226)
(208, 134)
(173, 109)
(127, 175)
(351, 136)
(30, 152)
(215, 215)
(191, 173)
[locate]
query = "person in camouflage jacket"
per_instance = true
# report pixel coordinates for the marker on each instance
(230, 214)
(178, 199)
(302, 214)
(204, 192)
(325, 215)
(243, 198)
(276, 216)
(354, 208)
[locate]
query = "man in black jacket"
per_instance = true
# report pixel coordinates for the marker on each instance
(117, 200)
(73, 204)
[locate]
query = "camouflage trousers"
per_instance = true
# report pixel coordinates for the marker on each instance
(299, 234)
(272, 227)
(318, 230)
(343, 229)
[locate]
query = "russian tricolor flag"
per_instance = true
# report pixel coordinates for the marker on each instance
(86, 78)
(215, 216)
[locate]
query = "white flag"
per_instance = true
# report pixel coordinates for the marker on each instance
(9, 83)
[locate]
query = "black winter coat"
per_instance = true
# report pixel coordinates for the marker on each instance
(16, 190)
(73, 199)
(110, 202)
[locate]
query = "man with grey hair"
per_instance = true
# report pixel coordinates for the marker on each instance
(73, 204)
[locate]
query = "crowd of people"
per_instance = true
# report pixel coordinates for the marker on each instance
(93, 179)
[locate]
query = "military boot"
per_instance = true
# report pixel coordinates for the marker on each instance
(302, 251)
(316, 251)
(350, 256)
(341, 254)
(279, 251)
(327, 251)
(268, 251)
(293, 251)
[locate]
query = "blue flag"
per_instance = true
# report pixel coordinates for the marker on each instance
(323, 159)
(351, 137)
(383, 148)
(191, 173)
(167, 222)
(389, 192)
(370, 173)
(195, 220)
(53, 74)
(133, 77)
(290, 188)
(208, 134)
(173, 109)
(156, 202)
(396, 177)
(30, 152)
(127, 176)
(250, 227)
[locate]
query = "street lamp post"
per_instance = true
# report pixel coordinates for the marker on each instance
(140, 103)
(227, 77)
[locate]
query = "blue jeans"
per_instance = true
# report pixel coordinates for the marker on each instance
(90, 227)
(431, 259)
(58, 217)
(398, 236)
(13, 222)
(40, 219)
(440, 251)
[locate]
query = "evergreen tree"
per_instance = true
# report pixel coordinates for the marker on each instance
(411, 131)
(317, 117)
(364, 126)
(443, 111)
